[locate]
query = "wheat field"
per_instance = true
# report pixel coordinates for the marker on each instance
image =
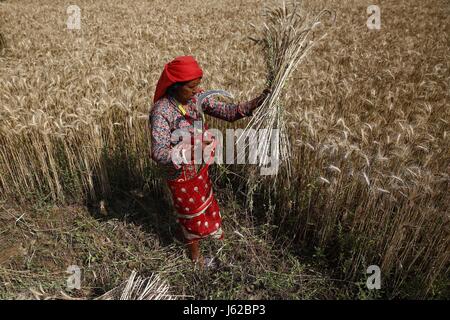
(367, 114)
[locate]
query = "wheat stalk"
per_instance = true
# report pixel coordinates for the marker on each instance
(287, 38)
(139, 288)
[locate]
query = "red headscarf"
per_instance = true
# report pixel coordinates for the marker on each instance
(181, 69)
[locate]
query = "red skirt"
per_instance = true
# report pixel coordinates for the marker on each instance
(197, 209)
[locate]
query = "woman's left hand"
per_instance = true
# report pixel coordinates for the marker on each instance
(260, 99)
(266, 92)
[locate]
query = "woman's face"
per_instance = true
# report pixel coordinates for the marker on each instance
(187, 91)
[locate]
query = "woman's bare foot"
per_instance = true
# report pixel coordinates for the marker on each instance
(200, 261)
(194, 252)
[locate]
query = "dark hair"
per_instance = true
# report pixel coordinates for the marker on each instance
(173, 88)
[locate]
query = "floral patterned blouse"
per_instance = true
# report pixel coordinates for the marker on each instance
(165, 117)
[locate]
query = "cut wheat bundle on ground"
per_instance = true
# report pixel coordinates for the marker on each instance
(288, 35)
(140, 288)
(134, 288)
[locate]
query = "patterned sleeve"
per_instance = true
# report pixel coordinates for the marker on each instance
(160, 133)
(228, 111)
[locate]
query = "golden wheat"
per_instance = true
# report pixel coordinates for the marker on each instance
(367, 115)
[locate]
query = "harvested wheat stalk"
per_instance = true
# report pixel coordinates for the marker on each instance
(287, 37)
(138, 288)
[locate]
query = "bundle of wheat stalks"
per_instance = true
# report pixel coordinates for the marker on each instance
(139, 288)
(287, 37)
(134, 288)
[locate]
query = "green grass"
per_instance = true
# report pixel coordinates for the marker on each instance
(139, 234)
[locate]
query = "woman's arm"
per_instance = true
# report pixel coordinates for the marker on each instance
(160, 132)
(231, 111)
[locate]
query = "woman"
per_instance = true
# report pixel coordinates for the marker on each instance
(174, 108)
